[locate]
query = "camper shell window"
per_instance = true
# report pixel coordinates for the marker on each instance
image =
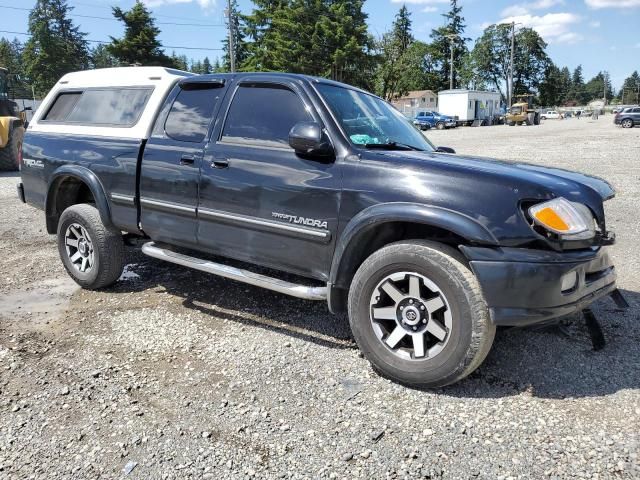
(118, 107)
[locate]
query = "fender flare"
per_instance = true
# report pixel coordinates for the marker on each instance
(90, 180)
(371, 217)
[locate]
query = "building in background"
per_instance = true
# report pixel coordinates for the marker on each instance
(415, 101)
(468, 106)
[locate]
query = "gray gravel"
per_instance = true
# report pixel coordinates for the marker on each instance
(174, 374)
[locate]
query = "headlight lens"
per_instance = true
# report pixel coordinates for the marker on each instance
(564, 218)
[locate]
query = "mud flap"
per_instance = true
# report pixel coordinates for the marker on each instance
(595, 331)
(619, 299)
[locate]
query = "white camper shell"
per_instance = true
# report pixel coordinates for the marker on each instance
(468, 106)
(109, 88)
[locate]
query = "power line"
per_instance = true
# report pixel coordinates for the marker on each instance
(95, 17)
(105, 42)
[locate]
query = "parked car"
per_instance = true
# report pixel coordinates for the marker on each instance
(550, 115)
(434, 120)
(628, 118)
(428, 252)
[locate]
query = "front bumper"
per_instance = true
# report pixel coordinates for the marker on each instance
(524, 286)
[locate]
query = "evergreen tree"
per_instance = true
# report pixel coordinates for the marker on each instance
(56, 45)
(596, 88)
(392, 75)
(180, 62)
(630, 91)
(316, 37)
(240, 51)
(11, 55)
(101, 58)
(550, 93)
(565, 83)
(206, 66)
(577, 93)
(140, 44)
(451, 35)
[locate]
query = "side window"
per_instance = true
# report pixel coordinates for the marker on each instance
(62, 106)
(191, 113)
(114, 106)
(636, 110)
(119, 107)
(264, 112)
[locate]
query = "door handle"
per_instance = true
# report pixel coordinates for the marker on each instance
(187, 159)
(220, 163)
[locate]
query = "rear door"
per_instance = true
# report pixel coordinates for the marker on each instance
(259, 201)
(170, 168)
(636, 115)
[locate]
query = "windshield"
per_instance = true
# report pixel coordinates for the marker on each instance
(369, 121)
(516, 110)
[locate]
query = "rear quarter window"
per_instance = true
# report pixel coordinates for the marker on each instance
(119, 107)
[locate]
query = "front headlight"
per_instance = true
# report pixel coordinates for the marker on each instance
(572, 221)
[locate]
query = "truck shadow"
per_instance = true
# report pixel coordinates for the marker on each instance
(551, 362)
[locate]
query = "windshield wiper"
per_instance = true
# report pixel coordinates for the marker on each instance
(392, 146)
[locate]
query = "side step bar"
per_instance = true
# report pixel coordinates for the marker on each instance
(245, 276)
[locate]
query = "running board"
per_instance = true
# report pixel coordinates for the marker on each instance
(245, 276)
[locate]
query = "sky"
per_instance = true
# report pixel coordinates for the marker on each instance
(598, 34)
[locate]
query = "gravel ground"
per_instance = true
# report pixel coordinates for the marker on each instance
(173, 374)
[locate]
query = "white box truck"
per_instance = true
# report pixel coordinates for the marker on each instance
(468, 106)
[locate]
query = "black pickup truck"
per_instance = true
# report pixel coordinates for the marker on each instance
(427, 251)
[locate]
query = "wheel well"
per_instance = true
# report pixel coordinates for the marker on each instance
(367, 242)
(68, 191)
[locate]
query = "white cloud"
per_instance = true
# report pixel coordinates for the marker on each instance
(525, 8)
(553, 27)
(612, 3)
(430, 9)
(206, 5)
(594, 24)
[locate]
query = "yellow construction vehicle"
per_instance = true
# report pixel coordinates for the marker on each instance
(522, 112)
(12, 125)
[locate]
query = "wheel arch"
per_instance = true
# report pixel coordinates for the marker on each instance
(70, 185)
(383, 224)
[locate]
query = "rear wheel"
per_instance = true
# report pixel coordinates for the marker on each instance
(627, 123)
(92, 254)
(418, 315)
(10, 154)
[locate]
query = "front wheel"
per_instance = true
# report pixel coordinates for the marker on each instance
(440, 126)
(418, 315)
(92, 254)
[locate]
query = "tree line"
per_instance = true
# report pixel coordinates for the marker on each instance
(327, 38)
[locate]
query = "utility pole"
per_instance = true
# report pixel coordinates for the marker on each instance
(232, 55)
(510, 82)
(451, 38)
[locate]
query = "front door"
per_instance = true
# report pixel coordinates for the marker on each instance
(259, 201)
(171, 163)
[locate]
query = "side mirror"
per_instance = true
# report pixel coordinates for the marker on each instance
(307, 138)
(445, 150)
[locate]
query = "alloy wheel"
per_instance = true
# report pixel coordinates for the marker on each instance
(79, 247)
(411, 316)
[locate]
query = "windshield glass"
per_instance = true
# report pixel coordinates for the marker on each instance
(370, 121)
(516, 110)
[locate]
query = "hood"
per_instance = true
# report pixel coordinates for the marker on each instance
(557, 180)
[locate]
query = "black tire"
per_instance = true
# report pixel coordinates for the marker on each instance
(107, 247)
(511, 124)
(627, 123)
(10, 153)
(471, 333)
(440, 126)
